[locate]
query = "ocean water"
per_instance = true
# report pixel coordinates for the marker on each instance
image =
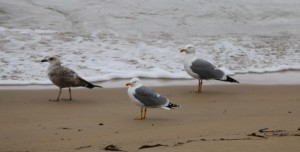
(105, 40)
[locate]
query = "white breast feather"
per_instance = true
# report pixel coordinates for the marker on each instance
(131, 92)
(187, 65)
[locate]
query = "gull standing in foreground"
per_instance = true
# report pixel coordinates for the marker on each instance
(63, 77)
(201, 69)
(146, 97)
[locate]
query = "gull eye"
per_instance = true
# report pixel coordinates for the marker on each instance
(51, 59)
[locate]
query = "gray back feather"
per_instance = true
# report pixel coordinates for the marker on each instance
(206, 70)
(149, 98)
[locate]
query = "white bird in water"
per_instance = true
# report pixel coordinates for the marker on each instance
(63, 77)
(146, 97)
(201, 69)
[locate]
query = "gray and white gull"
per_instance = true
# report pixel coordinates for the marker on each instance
(63, 77)
(146, 97)
(201, 69)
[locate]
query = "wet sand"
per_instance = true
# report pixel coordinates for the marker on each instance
(222, 118)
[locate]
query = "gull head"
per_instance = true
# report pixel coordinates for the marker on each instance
(52, 60)
(188, 49)
(134, 82)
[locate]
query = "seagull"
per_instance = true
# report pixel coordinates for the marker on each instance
(63, 77)
(201, 69)
(146, 97)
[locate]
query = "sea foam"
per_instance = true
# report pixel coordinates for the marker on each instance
(101, 56)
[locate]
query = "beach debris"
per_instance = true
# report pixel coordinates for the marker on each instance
(256, 135)
(262, 130)
(82, 147)
(186, 142)
(299, 128)
(152, 146)
(101, 124)
(112, 148)
(65, 128)
(178, 144)
(277, 133)
(190, 140)
(266, 130)
(290, 112)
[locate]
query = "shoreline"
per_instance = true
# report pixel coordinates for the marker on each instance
(272, 78)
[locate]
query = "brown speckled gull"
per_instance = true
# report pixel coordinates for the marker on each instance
(63, 77)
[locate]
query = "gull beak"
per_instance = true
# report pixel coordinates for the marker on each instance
(182, 50)
(44, 60)
(128, 84)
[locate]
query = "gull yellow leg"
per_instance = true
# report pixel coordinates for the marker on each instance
(141, 116)
(145, 111)
(199, 86)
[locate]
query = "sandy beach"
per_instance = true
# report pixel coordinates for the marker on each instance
(223, 118)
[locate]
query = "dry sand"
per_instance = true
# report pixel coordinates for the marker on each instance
(222, 118)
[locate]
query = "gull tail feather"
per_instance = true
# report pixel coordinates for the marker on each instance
(230, 79)
(171, 106)
(90, 85)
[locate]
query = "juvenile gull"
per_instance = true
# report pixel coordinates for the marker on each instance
(146, 97)
(202, 69)
(63, 77)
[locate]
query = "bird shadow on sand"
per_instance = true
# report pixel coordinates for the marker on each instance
(154, 120)
(77, 101)
(208, 92)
